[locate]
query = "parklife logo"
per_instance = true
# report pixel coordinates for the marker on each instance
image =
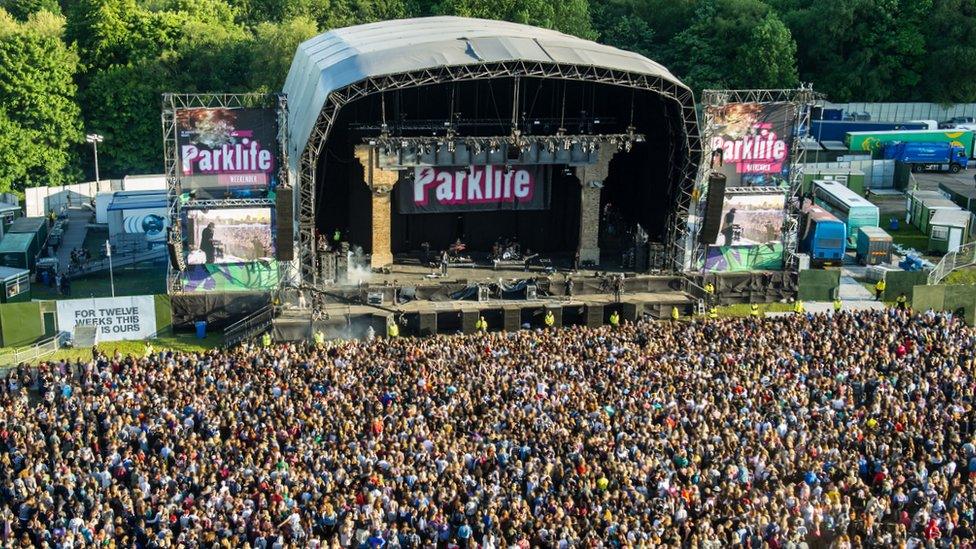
(243, 157)
(762, 152)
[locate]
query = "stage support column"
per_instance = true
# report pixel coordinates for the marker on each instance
(591, 178)
(380, 183)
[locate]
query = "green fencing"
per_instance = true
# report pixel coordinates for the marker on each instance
(818, 284)
(903, 282)
(959, 299)
(164, 315)
(20, 324)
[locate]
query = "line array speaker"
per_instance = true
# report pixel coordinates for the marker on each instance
(285, 219)
(713, 208)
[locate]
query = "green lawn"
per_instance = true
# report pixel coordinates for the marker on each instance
(140, 279)
(961, 276)
(181, 342)
(745, 309)
(909, 236)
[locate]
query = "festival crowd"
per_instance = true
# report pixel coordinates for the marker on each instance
(849, 430)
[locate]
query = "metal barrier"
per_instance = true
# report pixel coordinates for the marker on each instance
(34, 352)
(249, 326)
(965, 257)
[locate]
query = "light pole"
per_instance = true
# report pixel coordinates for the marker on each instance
(95, 139)
(111, 275)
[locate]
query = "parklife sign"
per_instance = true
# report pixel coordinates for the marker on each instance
(475, 188)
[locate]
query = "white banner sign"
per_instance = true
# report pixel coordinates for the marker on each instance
(116, 318)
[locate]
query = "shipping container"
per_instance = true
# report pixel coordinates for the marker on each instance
(873, 246)
(18, 250)
(922, 204)
(31, 225)
(14, 285)
(850, 178)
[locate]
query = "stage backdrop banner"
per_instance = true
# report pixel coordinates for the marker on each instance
(474, 189)
(752, 141)
(117, 318)
(227, 152)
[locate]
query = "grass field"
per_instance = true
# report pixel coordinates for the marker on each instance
(181, 342)
(909, 236)
(141, 279)
(961, 276)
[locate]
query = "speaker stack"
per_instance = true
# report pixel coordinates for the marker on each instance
(285, 219)
(714, 201)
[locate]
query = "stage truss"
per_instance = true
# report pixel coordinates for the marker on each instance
(172, 102)
(804, 98)
(684, 173)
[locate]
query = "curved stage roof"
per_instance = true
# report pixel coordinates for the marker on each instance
(343, 57)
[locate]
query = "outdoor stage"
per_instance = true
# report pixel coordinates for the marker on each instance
(451, 304)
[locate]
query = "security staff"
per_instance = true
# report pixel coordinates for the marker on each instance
(392, 329)
(550, 319)
(709, 288)
(713, 312)
(319, 338)
(675, 314)
(615, 319)
(336, 237)
(798, 307)
(266, 339)
(838, 304)
(481, 324)
(902, 301)
(879, 289)
(754, 310)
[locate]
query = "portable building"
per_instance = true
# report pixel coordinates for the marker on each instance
(18, 250)
(948, 230)
(873, 246)
(14, 285)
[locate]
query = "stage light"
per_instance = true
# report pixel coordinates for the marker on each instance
(405, 143)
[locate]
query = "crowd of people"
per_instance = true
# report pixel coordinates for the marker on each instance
(854, 429)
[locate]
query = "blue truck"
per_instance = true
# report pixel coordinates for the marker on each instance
(922, 156)
(824, 236)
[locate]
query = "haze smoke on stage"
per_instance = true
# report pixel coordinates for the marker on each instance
(359, 270)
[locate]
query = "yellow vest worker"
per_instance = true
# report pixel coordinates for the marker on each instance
(550, 319)
(674, 313)
(266, 339)
(902, 301)
(754, 310)
(713, 312)
(837, 305)
(879, 289)
(481, 325)
(319, 337)
(798, 307)
(709, 288)
(392, 330)
(615, 319)
(337, 236)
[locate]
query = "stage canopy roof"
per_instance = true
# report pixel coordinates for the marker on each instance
(343, 57)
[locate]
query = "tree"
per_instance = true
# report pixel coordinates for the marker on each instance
(273, 47)
(711, 53)
(22, 9)
(37, 94)
(619, 26)
(768, 58)
(569, 16)
(949, 53)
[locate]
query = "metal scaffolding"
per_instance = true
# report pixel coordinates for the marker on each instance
(804, 98)
(681, 100)
(173, 102)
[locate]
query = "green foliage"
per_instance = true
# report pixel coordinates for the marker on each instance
(38, 106)
(735, 44)
(104, 65)
(22, 9)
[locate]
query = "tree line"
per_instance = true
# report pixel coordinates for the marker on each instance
(72, 67)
